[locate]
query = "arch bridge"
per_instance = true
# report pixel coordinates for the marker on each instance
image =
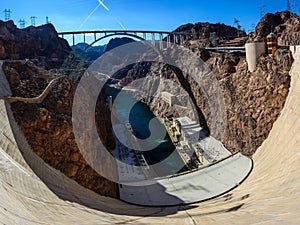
(161, 39)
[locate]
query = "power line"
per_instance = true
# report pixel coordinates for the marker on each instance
(7, 13)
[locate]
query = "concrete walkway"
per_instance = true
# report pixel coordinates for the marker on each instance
(36, 100)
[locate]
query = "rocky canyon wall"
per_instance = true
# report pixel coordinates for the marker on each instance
(31, 42)
(47, 126)
(253, 101)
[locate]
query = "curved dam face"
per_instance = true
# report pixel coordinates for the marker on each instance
(31, 192)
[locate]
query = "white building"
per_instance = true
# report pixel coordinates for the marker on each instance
(169, 98)
(207, 149)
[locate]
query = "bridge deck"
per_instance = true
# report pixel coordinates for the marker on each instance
(122, 32)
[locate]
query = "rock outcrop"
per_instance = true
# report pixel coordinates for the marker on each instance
(48, 126)
(90, 53)
(285, 25)
(31, 42)
(116, 42)
(208, 34)
(253, 101)
(32, 57)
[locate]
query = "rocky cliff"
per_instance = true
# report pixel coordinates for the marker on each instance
(47, 126)
(253, 101)
(285, 25)
(208, 34)
(31, 42)
(116, 42)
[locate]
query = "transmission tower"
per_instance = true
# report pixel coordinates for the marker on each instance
(238, 26)
(294, 7)
(235, 21)
(7, 13)
(288, 6)
(262, 8)
(22, 23)
(47, 20)
(33, 20)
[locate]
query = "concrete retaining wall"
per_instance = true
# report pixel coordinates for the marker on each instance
(295, 50)
(253, 52)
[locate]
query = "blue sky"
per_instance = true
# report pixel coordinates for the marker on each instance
(71, 15)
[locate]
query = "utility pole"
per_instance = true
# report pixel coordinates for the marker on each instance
(33, 20)
(7, 13)
(22, 23)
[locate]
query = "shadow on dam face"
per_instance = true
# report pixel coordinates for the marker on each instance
(69, 191)
(46, 185)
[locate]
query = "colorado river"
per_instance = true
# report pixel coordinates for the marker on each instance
(139, 118)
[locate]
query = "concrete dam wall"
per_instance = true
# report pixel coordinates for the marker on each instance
(31, 192)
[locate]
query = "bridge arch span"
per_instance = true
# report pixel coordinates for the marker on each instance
(120, 34)
(156, 36)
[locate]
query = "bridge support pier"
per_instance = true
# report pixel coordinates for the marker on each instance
(153, 38)
(84, 41)
(168, 41)
(181, 39)
(175, 39)
(161, 43)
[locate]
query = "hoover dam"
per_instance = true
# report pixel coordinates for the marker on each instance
(32, 192)
(51, 126)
